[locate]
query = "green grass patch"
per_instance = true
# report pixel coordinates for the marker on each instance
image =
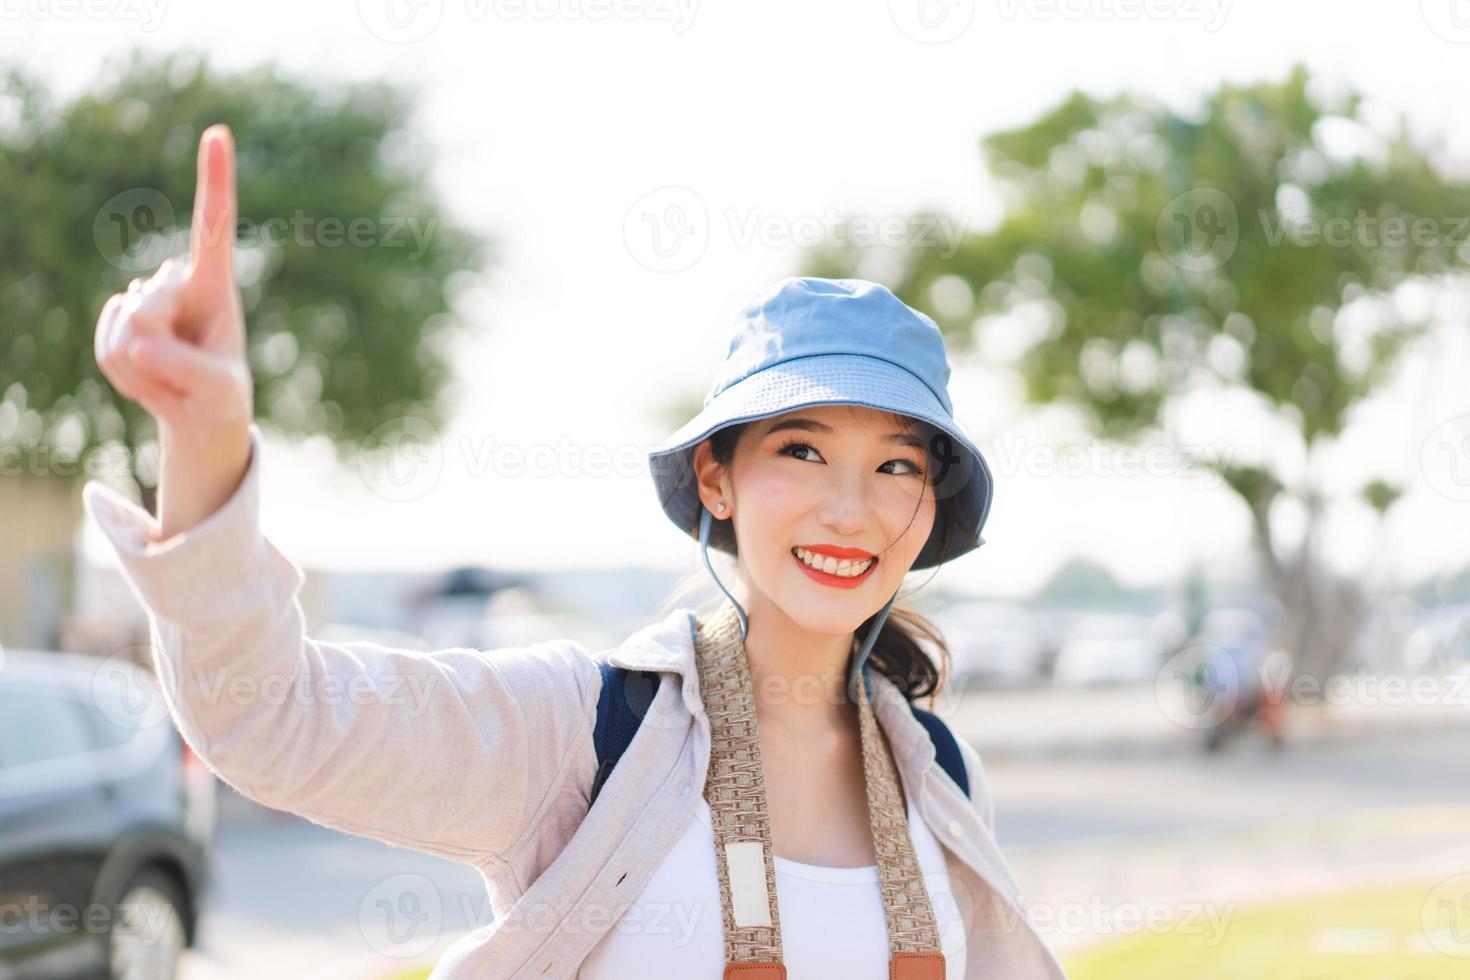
(1405, 933)
(419, 974)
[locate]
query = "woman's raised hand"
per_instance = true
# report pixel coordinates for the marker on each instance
(175, 344)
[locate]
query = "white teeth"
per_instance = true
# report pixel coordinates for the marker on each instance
(846, 568)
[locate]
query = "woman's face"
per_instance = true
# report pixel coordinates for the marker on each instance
(820, 485)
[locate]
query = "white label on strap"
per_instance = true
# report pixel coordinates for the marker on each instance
(746, 864)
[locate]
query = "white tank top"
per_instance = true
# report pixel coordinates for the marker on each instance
(832, 922)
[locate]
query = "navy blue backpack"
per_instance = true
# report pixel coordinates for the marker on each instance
(621, 706)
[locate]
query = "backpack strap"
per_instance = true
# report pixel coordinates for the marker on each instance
(946, 749)
(617, 719)
(617, 723)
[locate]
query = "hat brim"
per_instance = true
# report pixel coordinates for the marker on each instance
(962, 480)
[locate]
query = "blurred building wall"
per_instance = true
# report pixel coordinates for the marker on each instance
(104, 616)
(38, 518)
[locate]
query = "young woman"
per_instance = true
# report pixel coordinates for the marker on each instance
(780, 811)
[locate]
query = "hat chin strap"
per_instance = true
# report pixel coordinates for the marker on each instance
(856, 668)
(705, 518)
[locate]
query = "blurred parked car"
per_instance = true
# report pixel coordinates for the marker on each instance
(993, 642)
(105, 821)
(1109, 648)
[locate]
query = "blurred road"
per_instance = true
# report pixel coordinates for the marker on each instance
(1100, 843)
(1108, 721)
(293, 899)
(296, 900)
(1043, 800)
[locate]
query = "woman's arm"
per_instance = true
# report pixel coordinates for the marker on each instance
(453, 752)
(175, 344)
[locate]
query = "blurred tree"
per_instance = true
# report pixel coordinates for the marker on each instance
(1081, 581)
(1255, 246)
(346, 260)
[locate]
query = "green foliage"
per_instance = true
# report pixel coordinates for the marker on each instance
(1381, 495)
(345, 256)
(1082, 580)
(1142, 251)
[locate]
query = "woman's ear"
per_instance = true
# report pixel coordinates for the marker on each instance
(712, 480)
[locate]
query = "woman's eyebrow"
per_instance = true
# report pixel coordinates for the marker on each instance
(907, 437)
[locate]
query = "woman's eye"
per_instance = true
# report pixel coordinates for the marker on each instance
(791, 448)
(914, 469)
(786, 450)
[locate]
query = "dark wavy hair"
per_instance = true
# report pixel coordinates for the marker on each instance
(900, 652)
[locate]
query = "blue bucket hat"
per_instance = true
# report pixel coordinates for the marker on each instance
(807, 341)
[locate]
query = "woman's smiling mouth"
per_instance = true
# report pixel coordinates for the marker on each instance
(843, 573)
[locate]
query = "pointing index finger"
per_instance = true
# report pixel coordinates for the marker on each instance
(212, 234)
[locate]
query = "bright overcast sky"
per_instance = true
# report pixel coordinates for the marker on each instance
(552, 124)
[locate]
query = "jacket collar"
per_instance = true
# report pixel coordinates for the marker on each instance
(667, 645)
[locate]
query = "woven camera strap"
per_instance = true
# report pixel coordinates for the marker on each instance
(736, 791)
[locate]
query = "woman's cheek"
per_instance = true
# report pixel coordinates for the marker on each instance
(778, 492)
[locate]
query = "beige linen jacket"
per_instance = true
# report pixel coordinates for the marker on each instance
(484, 757)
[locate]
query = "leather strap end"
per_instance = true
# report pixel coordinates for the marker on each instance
(916, 966)
(760, 971)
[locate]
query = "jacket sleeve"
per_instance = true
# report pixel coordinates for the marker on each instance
(455, 752)
(979, 787)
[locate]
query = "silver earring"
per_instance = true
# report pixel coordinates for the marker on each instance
(720, 506)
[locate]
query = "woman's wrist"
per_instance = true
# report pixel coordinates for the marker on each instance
(199, 473)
